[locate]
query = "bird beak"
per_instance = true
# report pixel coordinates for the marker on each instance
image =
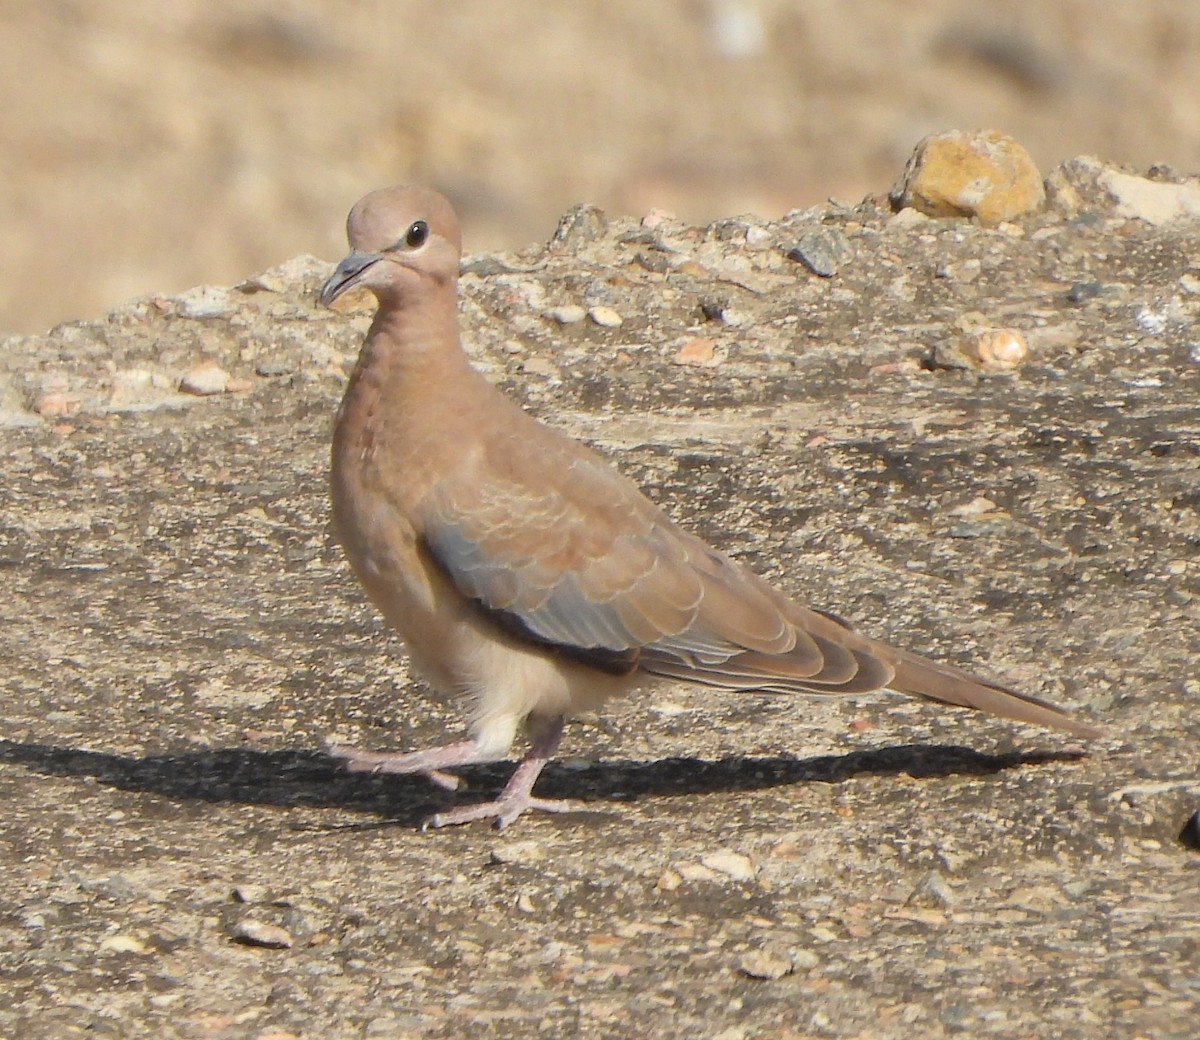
(346, 275)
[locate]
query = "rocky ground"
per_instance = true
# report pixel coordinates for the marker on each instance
(149, 146)
(179, 635)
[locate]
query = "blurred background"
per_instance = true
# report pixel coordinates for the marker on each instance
(152, 145)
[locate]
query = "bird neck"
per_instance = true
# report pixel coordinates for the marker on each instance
(412, 357)
(417, 337)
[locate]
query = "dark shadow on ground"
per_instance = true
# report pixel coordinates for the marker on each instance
(313, 779)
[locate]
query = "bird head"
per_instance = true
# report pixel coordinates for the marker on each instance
(400, 239)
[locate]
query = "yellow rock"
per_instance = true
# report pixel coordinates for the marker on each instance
(981, 173)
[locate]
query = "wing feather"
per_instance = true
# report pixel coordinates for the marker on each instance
(585, 563)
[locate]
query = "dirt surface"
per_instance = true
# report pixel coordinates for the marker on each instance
(178, 636)
(149, 146)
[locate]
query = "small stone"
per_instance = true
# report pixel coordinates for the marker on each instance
(606, 317)
(823, 250)
(250, 932)
(997, 350)
(122, 944)
(699, 353)
(568, 314)
(250, 892)
(578, 226)
(517, 852)
(668, 881)
(731, 864)
(1153, 202)
(1190, 284)
(1083, 184)
(907, 219)
(984, 174)
(205, 380)
(764, 964)
(982, 348)
(758, 237)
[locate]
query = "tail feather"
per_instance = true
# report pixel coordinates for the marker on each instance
(918, 677)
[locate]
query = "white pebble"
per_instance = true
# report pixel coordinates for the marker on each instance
(205, 380)
(998, 350)
(122, 944)
(605, 317)
(257, 933)
(732, 864)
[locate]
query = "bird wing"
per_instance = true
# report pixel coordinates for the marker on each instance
(559, 547)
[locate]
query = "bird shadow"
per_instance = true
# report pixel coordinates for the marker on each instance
(292, 778)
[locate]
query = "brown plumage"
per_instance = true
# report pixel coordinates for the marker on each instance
(523, 572)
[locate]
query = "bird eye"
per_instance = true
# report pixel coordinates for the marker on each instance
(417, 234)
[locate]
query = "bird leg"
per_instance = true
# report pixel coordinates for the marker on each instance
(517, 796)
(429, 763)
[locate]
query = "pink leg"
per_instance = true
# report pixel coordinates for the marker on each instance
(517, 795)
(429, 763)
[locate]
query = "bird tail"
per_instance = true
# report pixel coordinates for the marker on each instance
(918, 677)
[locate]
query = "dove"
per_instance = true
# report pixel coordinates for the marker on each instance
(528, 579)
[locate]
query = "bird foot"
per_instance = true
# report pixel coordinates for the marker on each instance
(502, 810)
(515, 799)
(425, 763)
